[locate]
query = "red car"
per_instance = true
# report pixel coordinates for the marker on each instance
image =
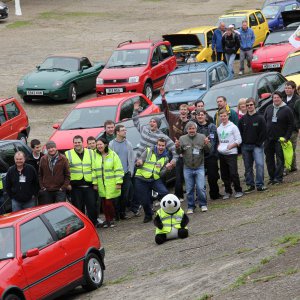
(88, 117)
(13, 120)
(136, 67)
(48, 250)
(272, 54)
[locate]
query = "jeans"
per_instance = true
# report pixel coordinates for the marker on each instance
(2, 210)
(294, 139)
(275, 168)
(48, 197)
(212, 172)
(84, 197)
(16, 205)
(143, 190)
(179, 178)
(230, 60)
(219, 57)
(195, 177)
(229, 172)
(252, 153)
(245, 55)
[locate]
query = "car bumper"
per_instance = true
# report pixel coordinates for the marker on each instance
(3, 13)
(108, 89)
(54, 94)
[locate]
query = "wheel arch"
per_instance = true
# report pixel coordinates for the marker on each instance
(14, 290)
(96, 252)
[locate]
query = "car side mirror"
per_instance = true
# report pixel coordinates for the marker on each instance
(84, 68)
(38, 67)
(55, 126)
(154, 62)
(264, 96)
(261, 44)
(32, 252)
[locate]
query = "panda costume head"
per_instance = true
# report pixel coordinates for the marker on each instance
(170, 204)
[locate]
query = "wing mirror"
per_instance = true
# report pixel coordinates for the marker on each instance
(32, 252)
(261, 44)
(84, 68)
(264, 96)
(55, 126)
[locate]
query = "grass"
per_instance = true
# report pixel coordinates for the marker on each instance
(18, 24)
(265, 260)
(243, 250)
(291, 271)
(206, 297)
(122, 279)
(265, 278)
(281, 251)
(75, 14)
(244, 277)
(288, 240)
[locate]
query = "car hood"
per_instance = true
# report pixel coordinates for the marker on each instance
(121, 73)
(182, 39)
(190, 95)
(44, 79)
(274, 53)
(64, 138)
(4, 263)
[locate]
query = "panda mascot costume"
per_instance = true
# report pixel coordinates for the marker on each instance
(170, 220)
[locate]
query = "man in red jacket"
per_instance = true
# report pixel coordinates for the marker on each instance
(54, 175)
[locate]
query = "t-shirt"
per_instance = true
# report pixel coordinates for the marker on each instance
(121, 149)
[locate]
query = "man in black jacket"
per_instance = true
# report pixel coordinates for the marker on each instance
(252, 127)
(280, 123)
(290, 98)
(21, 183)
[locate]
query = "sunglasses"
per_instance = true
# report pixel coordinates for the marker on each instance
(251, 104)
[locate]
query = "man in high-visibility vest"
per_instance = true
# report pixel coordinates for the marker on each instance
(81, 185)
(152, 165)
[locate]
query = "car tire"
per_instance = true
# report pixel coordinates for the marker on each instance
(22, 137)
(93, 272)
(27, 99)
(72, 94)
(148, 90)
(12, 297)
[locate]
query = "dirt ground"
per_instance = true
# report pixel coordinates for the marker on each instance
(234, 250)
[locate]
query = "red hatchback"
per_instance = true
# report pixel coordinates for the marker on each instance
(46, 251)
(87, 118)
(136, 67)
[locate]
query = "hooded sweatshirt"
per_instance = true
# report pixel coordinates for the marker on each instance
(228, 134)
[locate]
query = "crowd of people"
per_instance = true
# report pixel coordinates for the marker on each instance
(110, 176)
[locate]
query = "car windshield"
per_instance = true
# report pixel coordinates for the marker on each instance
(234, 20)
(271, 11)
(60, 63)
(185, 81)
(89, 117)
(291, 66)
(7, 245)
(128, 58)
(201, 38)
(232, 93)
(279, 37)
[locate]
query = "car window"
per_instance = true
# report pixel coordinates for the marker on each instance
(263, 87)
(260, 17)
(209, 37)
(253, 21)
(155, 55)
(12, 110)
(275, 80)
(290, 7)
(143, 103)
(63, 221)
(126, 110)
(165, 52)
(84, 62)
(7, 153)
(21, 147)
(34, 234)
(2, 115)
(213, 77)
(222, 72)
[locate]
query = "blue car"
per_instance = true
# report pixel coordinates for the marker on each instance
(190, 83)
(273, 11)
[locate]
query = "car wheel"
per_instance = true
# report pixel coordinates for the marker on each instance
(72, 95)
(27, 99)
(93, 272)
(12, 297)
(23, 138)
(148, 90)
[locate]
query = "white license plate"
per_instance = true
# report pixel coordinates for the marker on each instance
(114, 90)
(271, 66)
(35, 93)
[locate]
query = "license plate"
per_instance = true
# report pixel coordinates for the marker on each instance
(35, 93)
(271, 66)
(114, 90)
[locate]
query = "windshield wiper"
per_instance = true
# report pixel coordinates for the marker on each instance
(136, 65)
(61, 69)
(195, 85)
(293, 73)
(117, 66)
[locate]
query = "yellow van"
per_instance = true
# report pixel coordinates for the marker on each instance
(291, 67)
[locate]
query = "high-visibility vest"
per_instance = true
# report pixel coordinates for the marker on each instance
(1, 184)
(169, 221)
(107, 173)
(80, 168)
(152, 166)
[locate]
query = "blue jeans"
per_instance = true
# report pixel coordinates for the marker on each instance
(195, 177)
(230, 60)
(16, 205)
(251, 154)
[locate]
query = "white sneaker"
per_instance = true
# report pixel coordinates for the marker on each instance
(241, 72)
(190, 211)
(226, 196)
(204, 208)
(238, 195)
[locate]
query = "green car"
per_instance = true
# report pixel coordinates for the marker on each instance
(60, 77)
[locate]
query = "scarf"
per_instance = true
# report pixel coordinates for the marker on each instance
(217, 114)
(52, 161)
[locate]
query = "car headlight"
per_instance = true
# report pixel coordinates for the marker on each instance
(57, 83)
(254, 58)
(134, 79)
(21, 82)
(99, 80)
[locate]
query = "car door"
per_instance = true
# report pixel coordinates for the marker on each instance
(158, 69)
(5, 128)
(276, 82)
(223, 73)
(262, 25)
(13, 122)
(167, 59)
(263, 87)
(126, 110)
(87, 75)
(213, 77)
(44, 270)
(287, 7)
(253, 23)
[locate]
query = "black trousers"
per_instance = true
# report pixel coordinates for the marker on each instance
(212, 172)
(125, 200)
(179, 178)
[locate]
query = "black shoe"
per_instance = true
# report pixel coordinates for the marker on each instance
(276, 182)
(262, 189)
(217, 197)
(249, 189)
(293, 170)
(147, 219)
(270, 182)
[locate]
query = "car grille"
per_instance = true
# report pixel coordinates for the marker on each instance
(115, 80)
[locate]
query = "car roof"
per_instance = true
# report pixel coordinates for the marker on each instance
(196, 67)
(5, 99)
(282, 3)
(67, 55)
(240, 12)
(136, 45)
(109, 100)
(200, 29)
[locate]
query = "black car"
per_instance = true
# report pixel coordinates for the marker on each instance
(8, 148)
(3, 10)
(260, 86)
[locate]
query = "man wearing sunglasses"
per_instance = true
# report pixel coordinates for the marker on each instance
(252, 127)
